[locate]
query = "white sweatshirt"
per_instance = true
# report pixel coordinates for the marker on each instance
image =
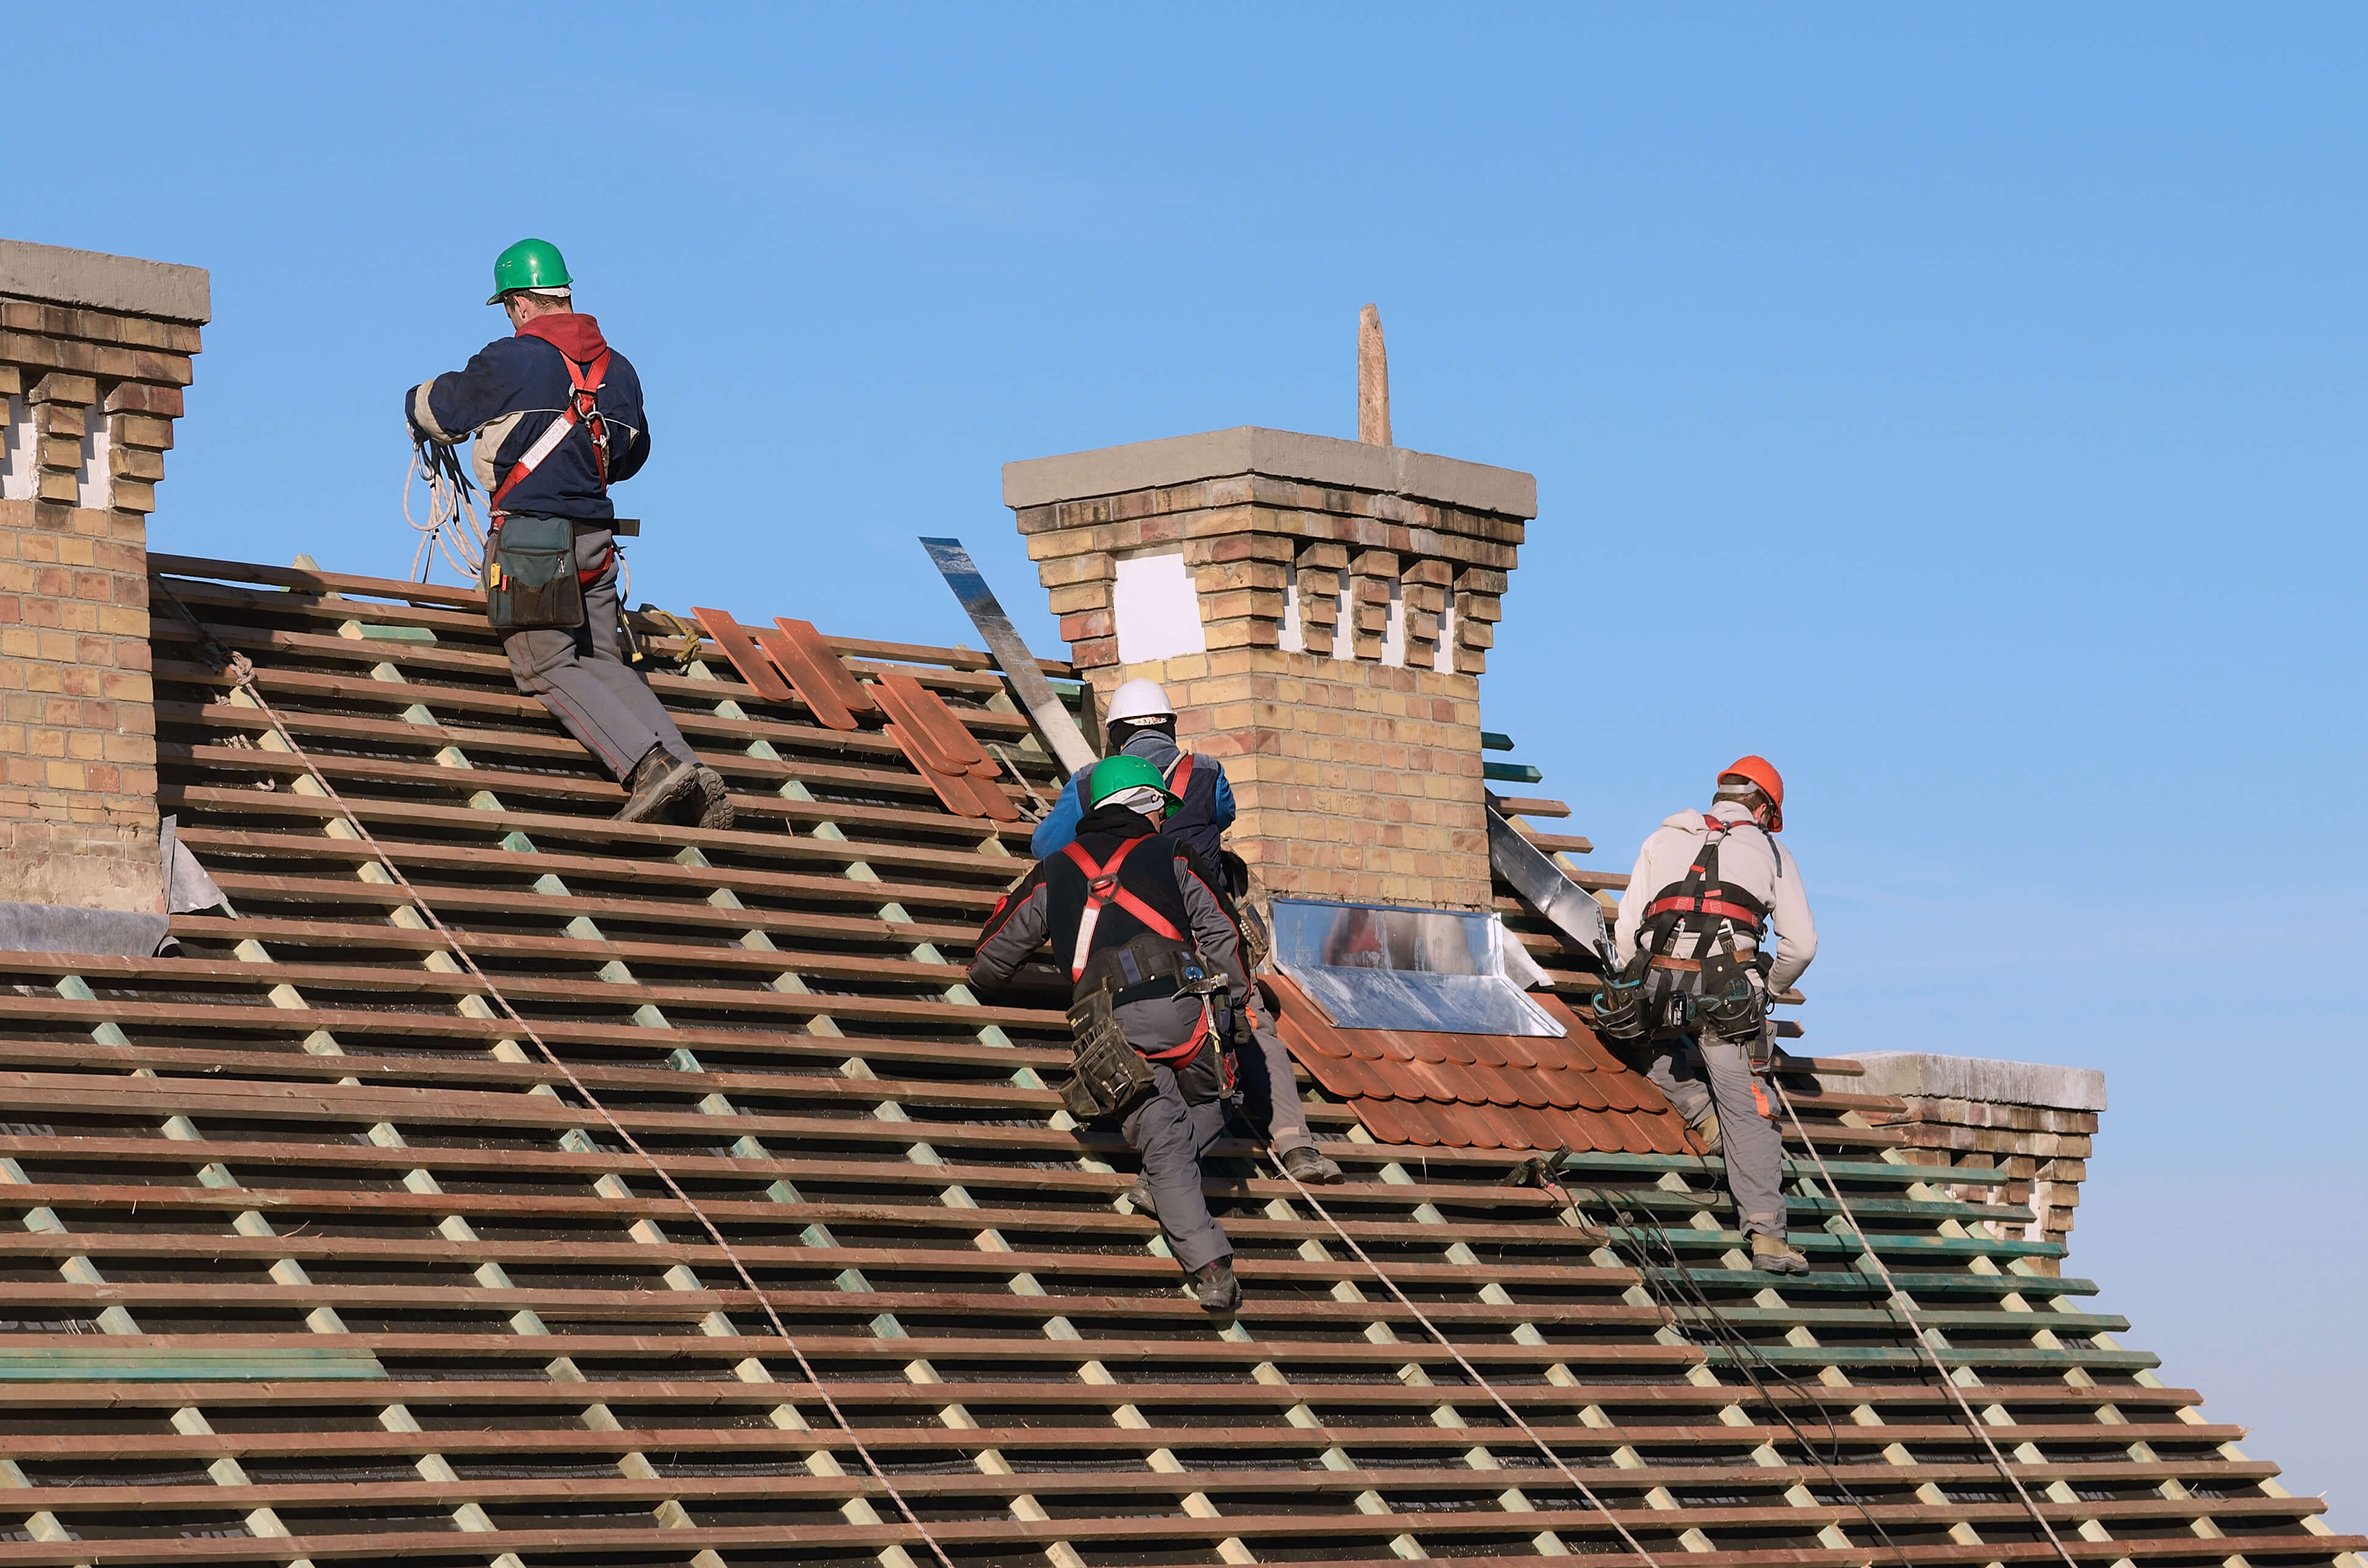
(1751, 860)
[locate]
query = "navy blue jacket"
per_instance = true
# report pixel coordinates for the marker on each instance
(508, 395)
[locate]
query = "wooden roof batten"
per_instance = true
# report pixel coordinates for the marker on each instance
(319, 1260)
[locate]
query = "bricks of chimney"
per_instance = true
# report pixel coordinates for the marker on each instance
(91, 394)
(1354, 757)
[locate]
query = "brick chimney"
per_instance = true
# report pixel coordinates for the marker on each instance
(94, 352)
(1320, 611)
(2006, 1131)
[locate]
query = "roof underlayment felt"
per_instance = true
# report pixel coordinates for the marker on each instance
(320, 1262)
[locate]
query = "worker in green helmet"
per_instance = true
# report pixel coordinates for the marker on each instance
(557, 417)
(1132, 916)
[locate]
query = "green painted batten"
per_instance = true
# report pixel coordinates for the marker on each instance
(167, 1363)
(1490, 740)
(1511, 772)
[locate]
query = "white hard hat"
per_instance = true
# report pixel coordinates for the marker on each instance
(1140, 699)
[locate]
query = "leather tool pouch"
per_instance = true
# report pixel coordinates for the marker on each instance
(1733, 1004)
(1107, 1075)
(530, 581)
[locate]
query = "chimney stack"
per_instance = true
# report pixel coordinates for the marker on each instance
(1320, 612)
(94, 352)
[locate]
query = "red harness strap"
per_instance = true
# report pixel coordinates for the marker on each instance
(1179, 777)
(583, 408)
(1101, 888)
(1704, 905)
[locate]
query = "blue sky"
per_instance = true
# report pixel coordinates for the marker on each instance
(1964, 410)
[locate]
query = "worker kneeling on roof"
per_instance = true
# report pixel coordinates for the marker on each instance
(1155, 963)
(1143, 724)
(1691, 994)
(557, 415)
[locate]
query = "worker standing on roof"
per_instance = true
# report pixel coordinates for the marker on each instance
(557, 416)
(1695, 979)
(1147, 938)
(1143, 724)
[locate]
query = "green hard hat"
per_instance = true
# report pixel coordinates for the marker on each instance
(529, 263)
(1115, 775)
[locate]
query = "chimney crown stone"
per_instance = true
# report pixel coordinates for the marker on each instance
(1320, 611)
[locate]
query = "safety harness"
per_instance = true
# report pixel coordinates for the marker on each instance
(583, 410)
(1102, 888)
(1700, 898)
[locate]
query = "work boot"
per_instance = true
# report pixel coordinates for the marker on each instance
(659, 780)
(1774, 1255)
(714, 799)
(1308, 1167)
(1707, 1131)
(1140, 1196)
(1215, 1288)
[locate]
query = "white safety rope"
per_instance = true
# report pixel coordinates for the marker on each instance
(1898, 1302)
(243, 671)
(1469, 1369)
(451, 529)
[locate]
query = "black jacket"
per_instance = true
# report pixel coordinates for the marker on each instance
(1050, 902)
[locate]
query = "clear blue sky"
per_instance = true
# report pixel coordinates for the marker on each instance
(1965, 410)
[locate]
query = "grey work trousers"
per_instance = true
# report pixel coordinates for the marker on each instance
(1271, 1092)
(1699, 1072)
(581, 676)
(1172, 1136)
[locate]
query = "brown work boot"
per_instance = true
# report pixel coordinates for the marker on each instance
(1774, 1255)
(1140, 1196)
(659, 780)
(1706, 1130)
(1214, 1287)
(1311, 1168)
(714, 799)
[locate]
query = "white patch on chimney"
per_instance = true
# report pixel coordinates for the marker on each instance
(92, 485)
(1294, 632)
(17, 447)
(1394, 629)
(1156, 608)
(1442, 659)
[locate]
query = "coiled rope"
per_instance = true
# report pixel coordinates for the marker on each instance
(242, 672)
(450, 528)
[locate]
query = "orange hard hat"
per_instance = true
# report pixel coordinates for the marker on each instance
(1763, 772)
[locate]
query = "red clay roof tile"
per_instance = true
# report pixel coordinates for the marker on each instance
(1481, 1091)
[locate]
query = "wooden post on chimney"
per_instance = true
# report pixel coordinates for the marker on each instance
(1373, 380)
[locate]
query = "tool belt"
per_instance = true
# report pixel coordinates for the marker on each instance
(1108, 1074)
(531, 580)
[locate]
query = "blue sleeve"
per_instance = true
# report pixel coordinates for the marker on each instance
(482, 391)
(1058, 831)
(1222, 816)
(623, 465)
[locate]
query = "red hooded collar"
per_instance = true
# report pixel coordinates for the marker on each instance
(578, 336)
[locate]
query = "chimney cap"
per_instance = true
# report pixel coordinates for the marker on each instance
(91, 279)
(1280, 454)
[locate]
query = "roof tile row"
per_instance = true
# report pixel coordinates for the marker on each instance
(1483, 1090)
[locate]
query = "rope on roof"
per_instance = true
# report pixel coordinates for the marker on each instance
(1470, 1371)
(242, 671)
(1898, 1302)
